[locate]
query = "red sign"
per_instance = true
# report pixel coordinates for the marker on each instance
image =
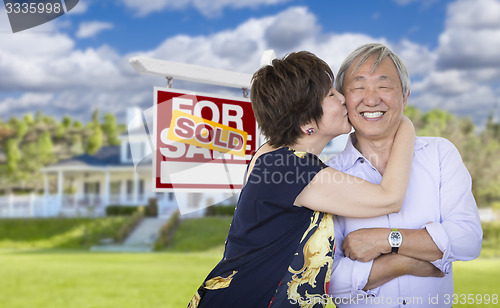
(203, 141)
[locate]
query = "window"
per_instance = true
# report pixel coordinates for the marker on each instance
(91, 188)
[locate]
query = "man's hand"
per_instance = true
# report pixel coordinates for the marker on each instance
(366, 244)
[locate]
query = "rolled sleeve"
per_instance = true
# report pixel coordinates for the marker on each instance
(440, 238)
(349, 278)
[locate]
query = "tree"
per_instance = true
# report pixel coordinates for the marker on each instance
(45, 149)
(13, 157)
(94, 141)
(66, 121)
(20, 127)
(95, 116)
(110, 129)
(76, 144)
(77, 125)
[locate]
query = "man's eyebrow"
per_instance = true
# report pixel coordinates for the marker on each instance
(380, 78)
(359, 78)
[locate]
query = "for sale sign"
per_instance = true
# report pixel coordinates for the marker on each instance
(203, 141)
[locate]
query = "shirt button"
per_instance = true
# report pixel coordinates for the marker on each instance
(404, 302)
(362, 161)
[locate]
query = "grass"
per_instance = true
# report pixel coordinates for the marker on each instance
(200, 234)
(63, 278)
(49, 233)
(94, 280)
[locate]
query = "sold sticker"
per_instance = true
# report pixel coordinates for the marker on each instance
(197, 131)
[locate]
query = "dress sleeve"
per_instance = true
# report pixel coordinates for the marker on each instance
(280, 176)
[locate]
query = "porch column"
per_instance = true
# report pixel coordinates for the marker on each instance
(45, 184)
(46, 194)
(136, 187)
(106, 188)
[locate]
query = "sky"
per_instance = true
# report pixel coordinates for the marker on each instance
(78, 62)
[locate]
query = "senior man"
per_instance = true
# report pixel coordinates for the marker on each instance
(402, 259)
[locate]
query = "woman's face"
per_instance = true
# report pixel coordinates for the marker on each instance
(334, 121)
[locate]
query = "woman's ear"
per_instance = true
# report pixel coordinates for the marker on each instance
(307, 129)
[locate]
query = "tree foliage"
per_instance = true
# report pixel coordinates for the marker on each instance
(480, 150)
(29, 143)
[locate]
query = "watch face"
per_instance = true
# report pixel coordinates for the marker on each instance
(395, 238)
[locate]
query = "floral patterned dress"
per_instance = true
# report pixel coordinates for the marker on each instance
(276, 254)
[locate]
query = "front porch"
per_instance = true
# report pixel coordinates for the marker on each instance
(77, 205)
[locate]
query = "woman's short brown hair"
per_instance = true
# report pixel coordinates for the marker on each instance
(289, 94)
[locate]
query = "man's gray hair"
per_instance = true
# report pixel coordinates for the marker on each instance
(380, 51)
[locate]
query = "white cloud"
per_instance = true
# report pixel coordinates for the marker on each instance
(474, 14)
(291, 27)
(418, 59)
(92, 28)
(463, 72)
(75, 82)
(472, 35)
(207, 8)
(31, 100)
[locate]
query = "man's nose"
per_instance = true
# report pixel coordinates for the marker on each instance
(371, 98)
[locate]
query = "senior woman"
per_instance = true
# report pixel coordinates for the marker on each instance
(279, 250)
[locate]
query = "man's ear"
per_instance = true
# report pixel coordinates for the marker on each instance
(405, 100)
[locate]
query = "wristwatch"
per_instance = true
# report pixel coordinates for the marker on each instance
(395, 240)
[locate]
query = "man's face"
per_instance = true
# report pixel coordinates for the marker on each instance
(374, 100)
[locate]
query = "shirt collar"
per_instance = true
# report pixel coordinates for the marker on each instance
(351, 155)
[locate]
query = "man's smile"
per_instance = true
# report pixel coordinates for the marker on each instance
(372, 115)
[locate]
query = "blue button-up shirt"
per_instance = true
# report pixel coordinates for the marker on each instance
(439, 198)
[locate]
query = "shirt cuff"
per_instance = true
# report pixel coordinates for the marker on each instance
(440, 238)
(360, 273)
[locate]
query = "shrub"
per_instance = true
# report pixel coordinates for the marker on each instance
(491, 239)
(129, 225)
(167, 231)
(152, 208)
(57, 233)
(121, 210)
(220, 210)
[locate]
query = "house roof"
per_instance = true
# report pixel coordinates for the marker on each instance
(106, 156)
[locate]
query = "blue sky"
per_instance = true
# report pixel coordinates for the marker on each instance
(79, 62)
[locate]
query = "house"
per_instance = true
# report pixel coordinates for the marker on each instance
(87, 184)
(116, 175)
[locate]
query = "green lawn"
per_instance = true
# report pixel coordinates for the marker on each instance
(51, 277)
(83, 279)
(62, 279)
